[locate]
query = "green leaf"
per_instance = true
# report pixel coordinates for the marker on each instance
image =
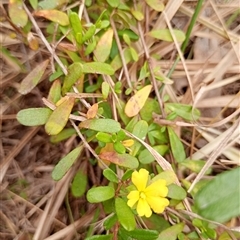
(137, 14)
(34, 4)
(54, 94)
(101, 125)
(176, 192)
(156, 5)
(132, 35)
(100, 194)
(219, 200)
(134, 54)
(33, 116)
(89, 33)
(121, 135)
(65, 164)
(124, 214)
(150, 106)
(74, 73)
(17, 13)
(100, 237)
(79, 185)
(33, 78)
(140, 130)
(104, 137)
(90, 47)
(167, 175)
(145, 157)
(171, 233)
(176, 146)
(76, 26)
(55, 75)
(97, 67)
(124, 160)
(113, 3)
(142, 234)
(120, 108)
(184, 111)
(54, 16)
(118, 146)
(63, 135)
(127, 175)
(110, 175)
(126, 39)
(58, 119)
(105, 90)
(104, 45)
(117, 61)
(165, 35)
(195, 165)
(110, 222)
(156, 222)
(46, 4)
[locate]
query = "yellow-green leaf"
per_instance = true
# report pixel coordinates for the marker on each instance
(125, 214)
(54, 16)
(46, 4)
(63, 135)
(33, 78)
(74, 74)
(171, 233)
(104, 46)
(165, 35)
(97, 67)
(117, 61)
(101, 125)
(137, 14)
(33, 116)
(156, 5)
(79, 184)
(176, 146)
(65, 163)
(100, 194)
(137, 101)
(59, 117)
(17, 13)
(54, 94)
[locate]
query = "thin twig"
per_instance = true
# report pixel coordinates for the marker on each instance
(40, 34)
(153, 79)
(180, 55)
(215, 154)
(85, 143)
(121, 53)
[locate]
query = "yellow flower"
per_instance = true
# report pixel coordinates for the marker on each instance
(147, 197)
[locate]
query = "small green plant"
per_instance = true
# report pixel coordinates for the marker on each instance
(128, 130)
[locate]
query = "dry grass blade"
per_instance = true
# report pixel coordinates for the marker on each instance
(15, 151)
(219, 146)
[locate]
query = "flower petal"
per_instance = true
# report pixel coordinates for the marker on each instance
(140, 179)
(133, 197)
(157, 188)
(143, 208)
(158, 204)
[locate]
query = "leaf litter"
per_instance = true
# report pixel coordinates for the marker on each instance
(27, 156)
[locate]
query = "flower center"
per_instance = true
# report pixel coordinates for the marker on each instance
(142, 195)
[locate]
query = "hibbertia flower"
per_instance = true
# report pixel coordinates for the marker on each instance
(147, 197)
